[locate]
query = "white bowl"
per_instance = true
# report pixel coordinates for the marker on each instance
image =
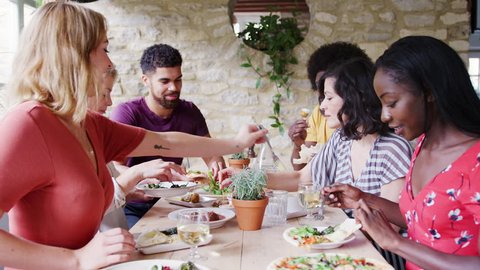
(227, 206)
(165, 189)
(228, 214)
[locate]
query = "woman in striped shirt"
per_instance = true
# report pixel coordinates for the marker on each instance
(361, 152)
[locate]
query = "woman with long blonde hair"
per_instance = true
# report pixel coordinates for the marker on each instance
(54, 183)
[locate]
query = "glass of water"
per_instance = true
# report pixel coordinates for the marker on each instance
(311, 199)
(276, 211)
(193, 229)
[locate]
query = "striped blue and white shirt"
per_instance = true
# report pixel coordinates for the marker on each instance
(389, 160)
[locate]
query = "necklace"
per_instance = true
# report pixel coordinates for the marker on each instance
(81, 135)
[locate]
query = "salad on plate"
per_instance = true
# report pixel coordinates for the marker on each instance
(165, 189)
(327, 261)
(322, 237)
(213, 188)
(158, 264)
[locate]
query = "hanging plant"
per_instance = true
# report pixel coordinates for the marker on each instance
(276, 37)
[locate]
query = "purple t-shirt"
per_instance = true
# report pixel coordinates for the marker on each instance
(186, 117)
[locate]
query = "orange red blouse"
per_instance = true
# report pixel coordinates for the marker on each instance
(48, 184)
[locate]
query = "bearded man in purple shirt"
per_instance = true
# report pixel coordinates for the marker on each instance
(161, 110)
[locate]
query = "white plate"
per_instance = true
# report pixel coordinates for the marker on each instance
(330, 245)
(199, 178)
(176, 244)
(378, 264)
(228, 214)
(214, 196)
(165, 191)
(205, 193)
(148, 264)
(204, 201)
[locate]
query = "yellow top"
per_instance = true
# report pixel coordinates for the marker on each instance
(317, 130)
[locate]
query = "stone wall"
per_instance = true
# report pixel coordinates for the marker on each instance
(224, 91)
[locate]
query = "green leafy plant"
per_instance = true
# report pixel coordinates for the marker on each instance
(214, 187)
(239, 155)
(248, 184)
(275, 37)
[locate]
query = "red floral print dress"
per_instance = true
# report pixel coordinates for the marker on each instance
(445, 214)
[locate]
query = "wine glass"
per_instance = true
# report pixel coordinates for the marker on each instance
(310, 198)
(193, 229)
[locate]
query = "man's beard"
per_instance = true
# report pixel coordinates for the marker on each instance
(167, 104)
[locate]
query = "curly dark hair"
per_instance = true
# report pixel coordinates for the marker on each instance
(430, 67)
(330, 55)
(361, 106)
(159, 55)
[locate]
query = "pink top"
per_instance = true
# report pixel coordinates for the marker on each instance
(47, 182)
(445, 214)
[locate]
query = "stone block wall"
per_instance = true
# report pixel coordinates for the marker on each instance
(224, 91)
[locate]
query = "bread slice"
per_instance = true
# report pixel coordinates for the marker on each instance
(344, 230)
(151, 238)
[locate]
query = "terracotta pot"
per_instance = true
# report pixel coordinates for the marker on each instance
(238, 163)
(250, 213)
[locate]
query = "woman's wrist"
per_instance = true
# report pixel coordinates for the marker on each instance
(394, 243)
(75, 259)
(368, 198)
(136, 174)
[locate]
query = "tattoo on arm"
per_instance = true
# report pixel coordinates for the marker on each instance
(158, 146)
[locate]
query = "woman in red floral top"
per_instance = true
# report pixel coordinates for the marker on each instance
(426, 93)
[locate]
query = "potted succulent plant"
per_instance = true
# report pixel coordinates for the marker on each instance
(238, 160)
(249, 198)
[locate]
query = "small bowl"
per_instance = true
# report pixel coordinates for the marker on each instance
(227, 206)
(228, 214)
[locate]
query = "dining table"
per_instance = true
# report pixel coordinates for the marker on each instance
(235, 249)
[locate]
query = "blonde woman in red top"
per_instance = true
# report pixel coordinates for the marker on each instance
(54, 182)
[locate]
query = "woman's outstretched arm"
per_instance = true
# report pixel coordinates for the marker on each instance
(178, 144)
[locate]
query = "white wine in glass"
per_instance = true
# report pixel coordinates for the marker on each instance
(193, 230)
(310, 198)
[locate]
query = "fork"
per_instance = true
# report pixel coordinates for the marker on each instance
(276, 160)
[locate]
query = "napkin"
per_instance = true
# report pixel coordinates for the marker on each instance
(344, 230)
(307, 153)
(151, 238)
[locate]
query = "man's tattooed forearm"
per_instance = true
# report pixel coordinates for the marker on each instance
(158, 146)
